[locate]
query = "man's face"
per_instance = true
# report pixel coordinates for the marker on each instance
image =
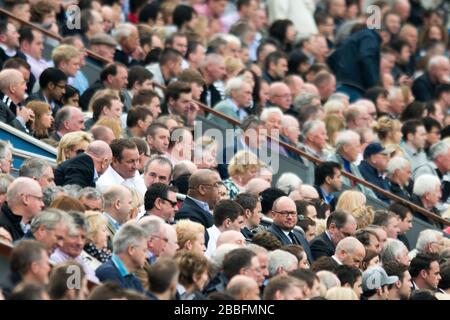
(12, 37)
(354, 259)
(120, 80)
(181, 105)
(405, 289)
(406, 224)
(172, 243)
(237, 224)
(180, 44)
(158, 242)
(419, 138)
(319, 137)
(254, 271)
(280, 68)
(282, 98)
(434, 197)
(353, 150)
(168, 207)
(127, 166)
(124, 206)
(285, 215)
(432, 276)
(71, 66)
(73, 244)
(20, 88)
(53, 238)
(357, 287)
(139, 254)
(255, 217)
(217, 71)
(392, 229)
(37, 45)
(336, 181)
(374, 244)
(212, 189)
(160, 142)
(34, 203)
(92, 204)
(393, 23)
(116, 109)
(273, 123)
(157, 172)
(243, 96)
(44, 269)
(47, 178)
(76, 121)
(58, 90)
(404, 175)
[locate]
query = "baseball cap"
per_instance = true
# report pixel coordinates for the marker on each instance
(374, 148)
(376, 277)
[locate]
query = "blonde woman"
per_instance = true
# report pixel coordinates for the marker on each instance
(112, 123)
(43, 119)
(243, 167)
(354, 202)
(334, 124)
(72, 144)
(137, 203)
(341, 293)
(191, 236)
(97, 236)
(389, 131)
(334, 107)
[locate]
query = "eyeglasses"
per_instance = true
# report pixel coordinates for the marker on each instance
(40, 198)
(163, 239)
(215, 185)
(172, 203)
(286, 213)
(61, 86)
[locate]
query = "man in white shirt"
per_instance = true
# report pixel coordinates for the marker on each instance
(32, 45)
(123, 169)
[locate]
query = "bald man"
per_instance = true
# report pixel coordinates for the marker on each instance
(243, 288)
(85, 168)
(350, 252)
(231, 236)
(284, 213)
(280, 95)
(13, 87)
(23, 202)
(202, 196)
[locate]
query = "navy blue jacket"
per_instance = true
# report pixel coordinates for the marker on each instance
(190, 210)
(277, 232)
(371, 175)
(356, 62)
(322, 246)
(423, 89)
(108, 272)
(78, 170)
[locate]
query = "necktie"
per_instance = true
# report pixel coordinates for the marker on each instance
(293, 239)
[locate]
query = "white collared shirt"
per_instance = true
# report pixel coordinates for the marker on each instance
(111, 177)
(214, 234)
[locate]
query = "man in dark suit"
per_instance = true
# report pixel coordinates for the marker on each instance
(128, 52)
(340, 224)
(284, 214)
(399, 175)
(405, 219)
(438, 72)
(201, 198)
(85, 168)
(327, 180)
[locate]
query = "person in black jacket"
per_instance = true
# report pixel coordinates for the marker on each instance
(202, 197)
(284, 220)
(24, 200)
(327, 180)
(399, 175)
(405, 219)
(340, 224)
(438, 72)
(85, 168)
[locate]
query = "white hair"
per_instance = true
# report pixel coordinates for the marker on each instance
(152, 225)
(234, 84)
(130, 234)
(279, 258)
(287, 120)
(265, 113)
(393, 92)
(348, 245)
(393, 249)
(438, 149)
(288, 182)
(311, 125)
(346, 137)
(220, 253)
(425, 183)
(328, 279)
(426, 237)
(396, 163)
(231, 38)
(122, 31)
(435, 61)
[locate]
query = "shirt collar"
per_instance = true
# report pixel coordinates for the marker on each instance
(120, 265)
(328, 197)
(9, 52)
(201, 204)
(112, 221)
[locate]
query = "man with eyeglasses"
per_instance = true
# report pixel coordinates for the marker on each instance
(284, 213)
(202, 196)
(280, 96)
(161, 200)
(24, 201)
(123, 169)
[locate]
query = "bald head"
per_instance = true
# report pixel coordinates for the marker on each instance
(243, 288)
(308, 192)
(256, 186)
(22, 185)
(200, 177)
(231, 237)
(350, 251)
(283, 203)
(9, 77)
(103, 133)
(24, 197)
(99, 148)
(118, 199)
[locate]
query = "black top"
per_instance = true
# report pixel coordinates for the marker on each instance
(11, 222)
(78, 170)
(322, 246)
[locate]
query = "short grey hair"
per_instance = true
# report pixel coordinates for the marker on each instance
(5, 147)
(231, 38)
(265, 113)
(346, 137)
(256, 249)
(328, 279)
(425, 183)
(234, 84)
(90, 193)
(436, 61)
(130, 234)
(279, 258)
(72, 190)
(33, 168)
(220, 253)
(304, 100)
(438, 149)
(49, 218)
(152, 225)
(311, 125)
(51, 193)
(426, 237)
(5, 181)
(288, 182)
(287, 119)
(392, 250)
(348, 245)
(123, 30)
(396, 163)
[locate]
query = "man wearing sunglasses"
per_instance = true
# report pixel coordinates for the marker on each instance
(161, 200)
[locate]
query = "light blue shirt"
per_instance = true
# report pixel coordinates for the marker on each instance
(240, 112)
(201, 204)
(112, 221)
(120, 265)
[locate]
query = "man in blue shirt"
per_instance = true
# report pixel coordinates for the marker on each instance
(327, 180)
(130, 253)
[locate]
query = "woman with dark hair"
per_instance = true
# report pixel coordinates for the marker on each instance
(415, 110)
(184, 18)
(284, 32)
(298, 63)
(71, 97)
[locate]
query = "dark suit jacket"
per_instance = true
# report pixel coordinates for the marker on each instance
(405, 240)
(8, 117)
(122, 57)
(322, 246)
(190, 210)
(403, 193)
(39, 95)
(79, 170)
(423, 89)
(216, 97)
(371, 175)
(11, 222)
(285, 240)
(87, 95)
(109, 272)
